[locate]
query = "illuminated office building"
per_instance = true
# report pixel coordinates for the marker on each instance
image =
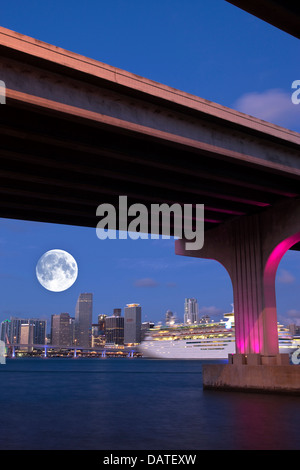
(83, 320)
(132, 324)
(39, 330)
(114, 330)
(61, 329)
(11, 330)
(191, 311)
(26, 336)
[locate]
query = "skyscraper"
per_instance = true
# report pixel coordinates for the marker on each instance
(5, 331)
(11, 330)
(61, 329)
(114, 330)
(39, 330)
(191, 311)
(83, 320)
(98, 331)
(132, 324)
(26, 336)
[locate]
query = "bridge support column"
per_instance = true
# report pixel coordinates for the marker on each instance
(250, 248)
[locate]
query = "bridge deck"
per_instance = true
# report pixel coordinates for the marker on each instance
(76, 133)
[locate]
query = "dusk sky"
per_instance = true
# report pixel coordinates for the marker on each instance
(208, 48)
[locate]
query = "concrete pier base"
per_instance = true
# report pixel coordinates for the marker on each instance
(253, 373)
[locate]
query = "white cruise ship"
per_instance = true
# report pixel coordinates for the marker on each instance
(204, 341)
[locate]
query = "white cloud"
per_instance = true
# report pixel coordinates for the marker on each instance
(146, 282)
(285, 277)
(274, 105)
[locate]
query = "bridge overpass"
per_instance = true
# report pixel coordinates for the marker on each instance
(76, 133)
(283, 14)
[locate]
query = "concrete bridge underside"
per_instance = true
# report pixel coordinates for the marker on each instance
(76, 133)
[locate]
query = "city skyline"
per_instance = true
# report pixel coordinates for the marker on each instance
(140, 271)
(194, 49)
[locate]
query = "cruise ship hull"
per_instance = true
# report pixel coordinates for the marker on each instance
(187, 349)
(207, 341)
(184, 349)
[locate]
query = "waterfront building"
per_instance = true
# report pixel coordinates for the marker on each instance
(61, 329)
(83, 320)
(101, 324)
(97, 339)
(114, 330)
(5, 330)
(132, 324)
(72, 330)
(39, 330)
(26, 336)
(98, 331)
(191, 311)
(11, 330)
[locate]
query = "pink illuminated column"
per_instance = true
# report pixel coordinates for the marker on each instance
(250, 248)
(246, 274)
(270, 269)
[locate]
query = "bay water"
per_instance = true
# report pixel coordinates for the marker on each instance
(135, 404)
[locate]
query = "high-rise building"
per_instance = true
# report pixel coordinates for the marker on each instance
(11, 330)
(39, 330)
(98, 332)
(61, 329)
(83, 320)
(191, 311)
(114, 330)
(72, 330)
(101, 323)
(5, 330)
(132, 324)
(26, 336)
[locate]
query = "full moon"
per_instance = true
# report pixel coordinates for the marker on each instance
(56, 270)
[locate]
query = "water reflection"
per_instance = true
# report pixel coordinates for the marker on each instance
(135, 404)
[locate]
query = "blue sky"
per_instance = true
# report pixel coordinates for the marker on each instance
(210, 49)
